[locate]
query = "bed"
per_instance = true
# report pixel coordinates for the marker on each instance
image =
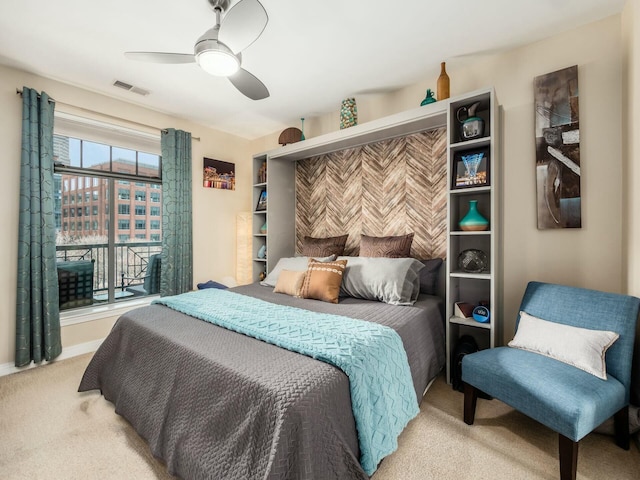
(213, 403)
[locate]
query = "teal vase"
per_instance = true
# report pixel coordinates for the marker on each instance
(473, 221)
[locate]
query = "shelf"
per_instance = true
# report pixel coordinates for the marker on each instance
(470, 190)
(260, 260)
(257, 212)
(470, 322)
(477, 276)
(259, 185)
(463, 233)
(259, 234)
(469, 144)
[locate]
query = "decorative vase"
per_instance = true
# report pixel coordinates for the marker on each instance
(428, 99)
(263, 228)
(443, 83)
(348, 113)
(262, 252)
(473, 221)
(302, 130)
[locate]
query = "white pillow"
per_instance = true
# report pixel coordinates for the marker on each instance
(298, 264)
(581, 347)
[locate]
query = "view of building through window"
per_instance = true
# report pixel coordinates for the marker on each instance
(100, 188)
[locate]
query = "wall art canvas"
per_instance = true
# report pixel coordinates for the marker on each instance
(219, 174)
(557, 130)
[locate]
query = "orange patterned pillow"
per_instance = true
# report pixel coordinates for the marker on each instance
(323, 280)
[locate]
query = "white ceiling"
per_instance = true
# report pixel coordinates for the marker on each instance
(310, 56)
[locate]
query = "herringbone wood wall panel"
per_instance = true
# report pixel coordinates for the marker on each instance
(387, 188)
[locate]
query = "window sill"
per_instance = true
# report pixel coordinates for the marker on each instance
(90, 314)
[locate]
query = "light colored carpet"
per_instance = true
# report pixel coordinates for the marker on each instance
(49, 431)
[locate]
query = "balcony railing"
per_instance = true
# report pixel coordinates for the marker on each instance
(131, 267)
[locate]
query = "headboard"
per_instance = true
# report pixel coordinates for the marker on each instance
(390, 187)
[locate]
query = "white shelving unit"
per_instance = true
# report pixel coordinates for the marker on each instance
(461, 286)
(279, 240)
(485, 286)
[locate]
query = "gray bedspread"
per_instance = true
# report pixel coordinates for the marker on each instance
(215, 404)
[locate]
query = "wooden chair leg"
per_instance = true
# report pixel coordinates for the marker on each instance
(568, 450)
(621, 426)
(470, 400)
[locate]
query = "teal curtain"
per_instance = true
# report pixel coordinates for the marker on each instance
(37, 310)
(177, 250)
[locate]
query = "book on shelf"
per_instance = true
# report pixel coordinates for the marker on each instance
(463, 310)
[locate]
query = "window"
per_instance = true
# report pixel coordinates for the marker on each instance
(155, 197)
(89, 171)
(154, 211)
(154, 224)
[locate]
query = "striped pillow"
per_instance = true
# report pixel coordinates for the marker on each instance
(323, 280)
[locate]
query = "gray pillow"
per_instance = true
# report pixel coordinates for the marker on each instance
(429, 276)
(395, 281)
(298, 264)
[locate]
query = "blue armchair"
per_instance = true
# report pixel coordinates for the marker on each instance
(566, 399)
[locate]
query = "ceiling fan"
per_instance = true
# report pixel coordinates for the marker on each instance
(218, 50)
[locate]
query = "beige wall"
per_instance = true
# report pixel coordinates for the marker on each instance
(631, 166)
(591, 256)
(213, 210)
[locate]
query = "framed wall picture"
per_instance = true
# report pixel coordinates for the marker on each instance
(218, 174)
(262, 200)
(557, 132)
(471, 168)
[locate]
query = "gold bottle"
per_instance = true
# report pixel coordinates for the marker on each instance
(443, 83)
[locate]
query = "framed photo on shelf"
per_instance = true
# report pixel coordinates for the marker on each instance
(471, 168)
(262, 201)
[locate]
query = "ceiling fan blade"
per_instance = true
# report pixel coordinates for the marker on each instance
(249, 85)
(243, 24)
(161, 57)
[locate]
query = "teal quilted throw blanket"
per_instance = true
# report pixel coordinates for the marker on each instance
(371, 355)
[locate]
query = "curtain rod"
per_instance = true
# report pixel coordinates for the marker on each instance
(51, 100)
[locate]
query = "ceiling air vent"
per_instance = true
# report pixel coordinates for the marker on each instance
(130, 88)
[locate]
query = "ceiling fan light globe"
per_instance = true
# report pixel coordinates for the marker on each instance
(218, 63)
(215, 58)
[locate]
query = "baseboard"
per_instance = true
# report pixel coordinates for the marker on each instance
(68, 352)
